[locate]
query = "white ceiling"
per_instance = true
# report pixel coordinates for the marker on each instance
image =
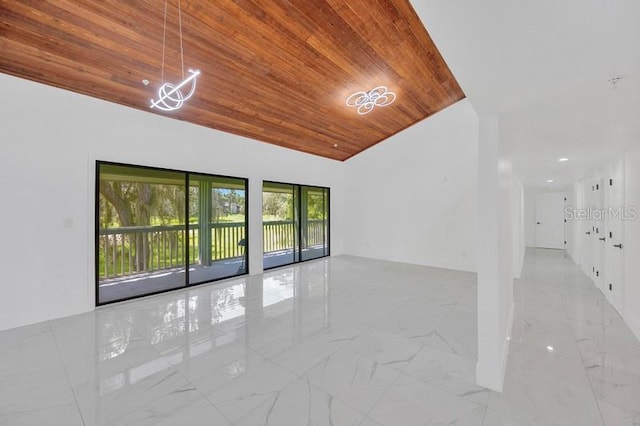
(544, 66)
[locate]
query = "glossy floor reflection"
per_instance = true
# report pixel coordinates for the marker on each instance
(338, 341)
(573, 360)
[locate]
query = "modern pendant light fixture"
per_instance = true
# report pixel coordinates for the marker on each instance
(366, 101)
(172, 96)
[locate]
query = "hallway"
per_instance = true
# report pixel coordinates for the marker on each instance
(573, 360)
(338, 341)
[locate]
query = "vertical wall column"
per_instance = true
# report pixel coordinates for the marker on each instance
(204, 219)
(495, 256)
(255, 226)
(304, 217)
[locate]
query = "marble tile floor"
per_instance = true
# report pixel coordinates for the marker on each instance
(338, 341)
(127, 287)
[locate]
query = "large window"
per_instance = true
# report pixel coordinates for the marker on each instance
(295, 223)
(158, 230)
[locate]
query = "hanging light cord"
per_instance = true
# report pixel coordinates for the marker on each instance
(164, 38)
(172, 96)
(180, 26)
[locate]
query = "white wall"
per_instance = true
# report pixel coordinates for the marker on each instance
(631, 293)
(413, 197)
(50, 141)
(580, 247)
(518, 231)
(495, 251)
(530, 216)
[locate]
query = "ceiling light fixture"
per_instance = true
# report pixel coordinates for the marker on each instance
(171, 96)
(366, 101)
(563, 159)
(549, 180)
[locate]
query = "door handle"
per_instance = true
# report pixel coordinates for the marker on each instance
(602, 239)
(618, 246)
(588, 233)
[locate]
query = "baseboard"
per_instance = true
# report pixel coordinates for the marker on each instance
(438, 265)
(507, 342)
(517, 273)
(633, 322)
(492, 380)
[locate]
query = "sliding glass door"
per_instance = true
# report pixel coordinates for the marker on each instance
(314, 225)
(217, 227)
(279, 224)
(158, 230)
(141, 243)
(295, 223)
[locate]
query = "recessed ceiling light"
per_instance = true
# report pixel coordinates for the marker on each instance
(550, 349)
(563, 159)
(549, 180)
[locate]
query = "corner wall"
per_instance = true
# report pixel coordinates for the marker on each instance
(413, 198)
(51, 139)
(498, 195)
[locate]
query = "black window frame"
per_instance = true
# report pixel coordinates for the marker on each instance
(187, 174)
(298, 211)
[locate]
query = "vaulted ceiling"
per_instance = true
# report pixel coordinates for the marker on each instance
(278, 71)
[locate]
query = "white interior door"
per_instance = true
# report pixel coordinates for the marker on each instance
(614, 255)
(550, 220)
(586, 248)
(598, 239)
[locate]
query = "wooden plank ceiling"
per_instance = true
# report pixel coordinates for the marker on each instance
(278, 71)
